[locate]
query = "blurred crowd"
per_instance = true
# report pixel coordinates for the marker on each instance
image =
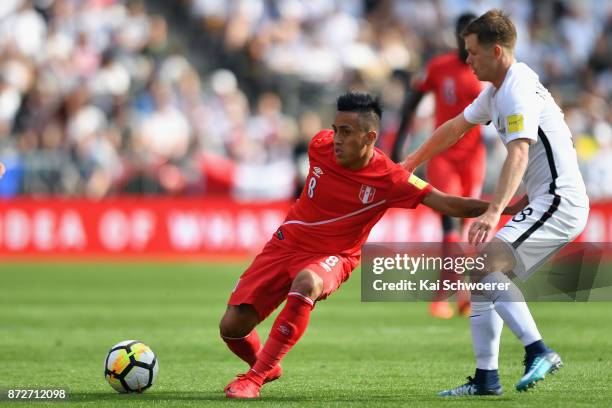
(192, 97)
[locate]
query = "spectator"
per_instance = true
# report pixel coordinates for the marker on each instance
(97, 98)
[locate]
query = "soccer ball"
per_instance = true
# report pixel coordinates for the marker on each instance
(130, 366)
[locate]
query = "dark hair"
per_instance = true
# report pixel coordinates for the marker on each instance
(460, 25)
(367, 106)
(493, 27)
(462, 22)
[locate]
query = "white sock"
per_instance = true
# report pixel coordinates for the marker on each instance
(510, 305)
(486, 328)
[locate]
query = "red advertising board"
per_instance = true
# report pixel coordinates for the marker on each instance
(187, 227)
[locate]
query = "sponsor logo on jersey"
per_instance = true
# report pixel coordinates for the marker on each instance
(366, 194)
(317, 172)
(514, 123)
(417, 182)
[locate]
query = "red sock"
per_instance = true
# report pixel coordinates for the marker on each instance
(287, 329)
(447, 274)
(245, 347)
(451, 237)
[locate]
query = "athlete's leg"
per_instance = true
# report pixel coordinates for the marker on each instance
(259, 291)
(291, 323)
(510, 304)
(505, 295)
(315, 280)
(442, 174)
(486, 325)
(237, 329)
(508, 301)
(471, 170)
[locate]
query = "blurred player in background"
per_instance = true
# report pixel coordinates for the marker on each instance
(460, 169)
(555, 210)
(2, 169)
(349, 187)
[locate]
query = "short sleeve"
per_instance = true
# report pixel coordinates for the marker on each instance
(479, 111)
(407, 191)
(520, 113)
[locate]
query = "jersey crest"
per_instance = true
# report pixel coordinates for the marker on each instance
(366, 194)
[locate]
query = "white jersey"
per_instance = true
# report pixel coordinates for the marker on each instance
(522, 108)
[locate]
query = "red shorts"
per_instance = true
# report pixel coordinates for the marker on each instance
(462, 176)
(266, 283)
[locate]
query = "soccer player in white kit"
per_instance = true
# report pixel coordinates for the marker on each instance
(553, 213)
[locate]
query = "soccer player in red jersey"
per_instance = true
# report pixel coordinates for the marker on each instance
(460, 169)
(349, 187)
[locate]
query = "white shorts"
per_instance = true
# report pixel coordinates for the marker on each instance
(542, 228)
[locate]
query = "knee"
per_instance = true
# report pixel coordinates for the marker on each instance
(227, 326)
(308, 284)
(481, 305)
(238, 321)
(497, 258)
(490, 272)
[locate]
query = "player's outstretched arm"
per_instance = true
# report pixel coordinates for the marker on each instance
(442, 138)
(454, 206)
(511, 175)
(517, 206)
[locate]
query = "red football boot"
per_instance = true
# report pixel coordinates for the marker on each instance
(465, 308)
(441, 310)
(244, 386)
(275, 374)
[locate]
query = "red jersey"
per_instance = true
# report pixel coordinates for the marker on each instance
(455, 86)
(339, 206)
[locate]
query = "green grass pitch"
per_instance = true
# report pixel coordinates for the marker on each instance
(57, 322)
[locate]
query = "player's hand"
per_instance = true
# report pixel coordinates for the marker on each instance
(480, 229)
(2, 169)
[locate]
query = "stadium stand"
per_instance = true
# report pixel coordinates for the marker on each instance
(196, 97)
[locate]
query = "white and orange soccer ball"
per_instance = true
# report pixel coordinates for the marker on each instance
(131, 366)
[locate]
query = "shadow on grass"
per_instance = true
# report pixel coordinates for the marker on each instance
(265, 399)
(148, 396)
